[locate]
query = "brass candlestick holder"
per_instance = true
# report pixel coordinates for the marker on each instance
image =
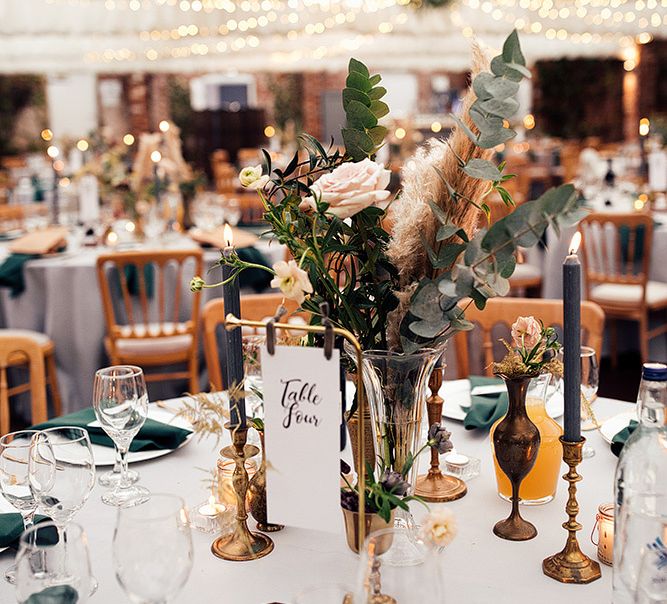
(571, 565)
(435, 486)
(241, 544)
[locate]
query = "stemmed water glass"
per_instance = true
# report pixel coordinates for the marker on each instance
(590, 378)
(62, 472)
(53, 565)
(152, 549)
(121, 406)
(14, 479)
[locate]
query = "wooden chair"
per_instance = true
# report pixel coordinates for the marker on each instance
(616, 251)
(225, 176)
(505, 311)
(254, 307)
(249, 156)
(27, 349)
(145, 329)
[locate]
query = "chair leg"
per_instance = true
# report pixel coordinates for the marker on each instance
(643, 336)
(52, 381)
(4, 402)
(614, 343)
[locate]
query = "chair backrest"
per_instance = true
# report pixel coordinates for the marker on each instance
(504, 311)
(254, 307)
(10, 347)
(225, 176)
(616, 248)
(142, 293)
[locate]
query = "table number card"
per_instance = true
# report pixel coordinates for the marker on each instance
(302, 432)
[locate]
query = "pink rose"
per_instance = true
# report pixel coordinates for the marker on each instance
(526, 332)
(350, 188)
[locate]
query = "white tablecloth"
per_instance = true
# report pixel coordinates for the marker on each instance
(62, 299)
(479, 568)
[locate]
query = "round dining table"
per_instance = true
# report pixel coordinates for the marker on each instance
(478, 567)
(62, 299)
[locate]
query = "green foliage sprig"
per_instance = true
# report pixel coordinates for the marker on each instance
(479, 268)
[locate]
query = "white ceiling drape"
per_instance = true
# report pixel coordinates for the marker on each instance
(63, 36)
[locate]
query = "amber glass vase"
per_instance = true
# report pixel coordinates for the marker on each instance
(540, 485)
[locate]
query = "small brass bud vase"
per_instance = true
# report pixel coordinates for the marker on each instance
(516, 441)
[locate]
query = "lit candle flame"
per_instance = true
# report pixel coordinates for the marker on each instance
(228, 235)
(575, 243)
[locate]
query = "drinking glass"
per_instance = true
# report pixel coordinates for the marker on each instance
(152, 549)
(62, 472)
(394, 563)
(112, 477)
(590, 378)
(53, 565)
(14, 480)
(121, 405)
(325, 594)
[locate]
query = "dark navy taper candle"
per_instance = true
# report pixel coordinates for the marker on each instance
(233, 342)
(572, 342)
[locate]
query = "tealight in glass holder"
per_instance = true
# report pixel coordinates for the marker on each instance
(459, 465)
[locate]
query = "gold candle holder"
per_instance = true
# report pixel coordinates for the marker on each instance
(241, 544)
(571, 565)
(435, 486)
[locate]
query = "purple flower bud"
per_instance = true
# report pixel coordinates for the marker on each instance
(393, 482)
(438, 437)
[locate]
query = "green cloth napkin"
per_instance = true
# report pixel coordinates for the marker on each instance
(60, 594)
(484, 410)
(11, 272)
(619, 440)
(153, 435)
(11, 527)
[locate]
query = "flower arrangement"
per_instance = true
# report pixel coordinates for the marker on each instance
(405, 289)
(532, 351)
(390, 489)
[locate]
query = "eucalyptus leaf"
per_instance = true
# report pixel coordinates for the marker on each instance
(379, 108)
(359, 116)
(352, 94)
(429, 329)
(524, 71)
(377, 92)
(358, 67)
(505, 108)
(375, 80)
(512, 49)
(502, 88)
(447, 230)
(482, 169)
(446, 286)
(448, 254)
(357, 143)
(438, 212)
(465, 278)
(358, 81)
(500, 68)
(499, 284)
(468, 132)
(378, 134)
(425, 302)
(480, 85)
(493, 139)
(484, 121)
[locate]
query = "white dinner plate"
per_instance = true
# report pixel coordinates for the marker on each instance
(614, 425)
(457, 399)
(106, 456)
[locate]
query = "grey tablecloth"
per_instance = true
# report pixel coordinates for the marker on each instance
(478, 567)
(62, 299)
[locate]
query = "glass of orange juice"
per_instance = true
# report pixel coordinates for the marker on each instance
(540, 485)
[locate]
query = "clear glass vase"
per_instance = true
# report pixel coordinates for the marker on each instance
(395, 385)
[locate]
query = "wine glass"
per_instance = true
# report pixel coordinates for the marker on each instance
(112, 477)
(152, 549)
(385, 570)
(14, 480)
(121, 405)
(62, 472)
(53, 565)
(590, 378)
